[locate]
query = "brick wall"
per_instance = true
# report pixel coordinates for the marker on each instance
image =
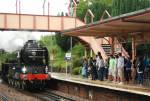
(97, 94)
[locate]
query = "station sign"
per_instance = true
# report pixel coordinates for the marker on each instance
(68, 56)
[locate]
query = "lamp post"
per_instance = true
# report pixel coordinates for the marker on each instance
(52, 54)
(71, 65)
(44, 7)
(74, 15)
(18, 6)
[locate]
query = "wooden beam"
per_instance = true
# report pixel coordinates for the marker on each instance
(29, 22)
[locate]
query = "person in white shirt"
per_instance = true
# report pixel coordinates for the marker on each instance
(120, 67)
(100, 67)
(111, 67)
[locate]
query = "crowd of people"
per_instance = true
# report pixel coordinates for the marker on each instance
(116, 68)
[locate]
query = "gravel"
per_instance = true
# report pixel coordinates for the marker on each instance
(15, 95)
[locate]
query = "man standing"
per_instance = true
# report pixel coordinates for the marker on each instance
(120, 66)
(100, 65)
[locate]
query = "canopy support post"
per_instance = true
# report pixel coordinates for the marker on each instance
(112, 45)
(85, 52)
(91, 52)
(133, 48)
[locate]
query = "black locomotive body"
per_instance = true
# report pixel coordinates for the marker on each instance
(30, 68)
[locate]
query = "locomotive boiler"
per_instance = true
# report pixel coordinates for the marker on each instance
(29, 69)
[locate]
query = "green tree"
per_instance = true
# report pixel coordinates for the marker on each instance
(5, 56)
(64, 41)
(96, 6)
(124, 6)
(81, 9)
(99, 6)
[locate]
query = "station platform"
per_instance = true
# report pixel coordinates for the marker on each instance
(128, 88)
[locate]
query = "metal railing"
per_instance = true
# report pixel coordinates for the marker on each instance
(3, 97)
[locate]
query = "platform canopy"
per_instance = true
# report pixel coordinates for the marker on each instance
(137, 22)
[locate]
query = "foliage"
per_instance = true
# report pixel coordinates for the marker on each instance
(114, 7)
(76, 70)
(54, 50)
(64, 41)
(77, 53)
(96, 6)
(125, 6)
(81, 9)
(78, 50)
(5, 56)
(99, 6)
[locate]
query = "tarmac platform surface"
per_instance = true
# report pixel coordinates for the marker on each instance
(131, 88)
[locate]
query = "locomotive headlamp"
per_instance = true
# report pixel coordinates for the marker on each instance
(33, 53)
(24, 69)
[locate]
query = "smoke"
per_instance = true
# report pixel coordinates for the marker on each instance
(13, 40)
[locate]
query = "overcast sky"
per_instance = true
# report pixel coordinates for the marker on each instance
(11, 40)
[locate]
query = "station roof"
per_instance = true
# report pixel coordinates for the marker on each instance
(134, 22)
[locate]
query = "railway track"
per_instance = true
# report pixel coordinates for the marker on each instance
(40, 95)
(49, 95)
(3, 97)
(45, 95)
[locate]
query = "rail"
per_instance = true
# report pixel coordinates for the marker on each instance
(3, 97)
(48, 95)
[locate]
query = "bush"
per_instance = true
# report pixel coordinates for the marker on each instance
(77, 62)
(76, 70)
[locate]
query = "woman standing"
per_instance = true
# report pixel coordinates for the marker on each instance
(94, 70)
(85, 68)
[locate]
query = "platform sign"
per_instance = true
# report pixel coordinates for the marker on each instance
(68, 56)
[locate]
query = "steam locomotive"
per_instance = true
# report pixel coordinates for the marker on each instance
(29, 69)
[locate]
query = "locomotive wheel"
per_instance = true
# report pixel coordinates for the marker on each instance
(42, 85)
(18, 85)
(15, 85)
(23, 85)
(12, 82)
(9, 81)
(29, 85)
